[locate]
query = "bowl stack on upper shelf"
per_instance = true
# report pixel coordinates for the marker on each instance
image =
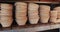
(6, 15)
(33, 12)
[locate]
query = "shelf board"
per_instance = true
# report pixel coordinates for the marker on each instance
(43, 2)
(36, 27)
(32, 2)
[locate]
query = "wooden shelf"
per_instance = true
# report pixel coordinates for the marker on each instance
(43, 2)
(33, 2)
(31, 28)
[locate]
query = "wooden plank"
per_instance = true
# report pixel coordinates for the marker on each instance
(32, 2)
(36, 27)
(41, 27)
(54, 26)
(51, 0)
(42, 2)
(16, 0)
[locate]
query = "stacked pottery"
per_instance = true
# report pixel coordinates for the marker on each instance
(21, 12)
(53, 16)
(0, 12)
(56, 15)
(6, 15)
(57, 9)
(0, 15)
(33, 13)
(58, 21)
(44, 13)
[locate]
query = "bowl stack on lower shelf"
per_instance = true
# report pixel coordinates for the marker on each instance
(32, 12)
(21, 12)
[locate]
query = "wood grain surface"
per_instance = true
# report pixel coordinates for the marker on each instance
(34, 0)
(30, 27)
